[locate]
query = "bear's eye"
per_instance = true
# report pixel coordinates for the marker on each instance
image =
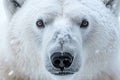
(84, 24)
(40, 23)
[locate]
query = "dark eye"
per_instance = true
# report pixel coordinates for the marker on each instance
(40, 23)
(84, 24)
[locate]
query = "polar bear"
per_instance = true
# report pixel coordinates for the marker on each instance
(61, 39)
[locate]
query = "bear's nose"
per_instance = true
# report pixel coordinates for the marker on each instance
(61, 60)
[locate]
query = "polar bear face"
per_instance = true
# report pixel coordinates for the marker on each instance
(60, 36)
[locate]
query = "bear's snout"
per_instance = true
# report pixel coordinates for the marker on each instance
(62, 60)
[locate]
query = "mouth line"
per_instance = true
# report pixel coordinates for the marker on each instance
(62, 73)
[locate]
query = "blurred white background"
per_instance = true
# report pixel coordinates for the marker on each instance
(2, 12)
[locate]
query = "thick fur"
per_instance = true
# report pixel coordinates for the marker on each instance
(25, 49)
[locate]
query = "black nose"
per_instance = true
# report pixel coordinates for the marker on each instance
(61, 60)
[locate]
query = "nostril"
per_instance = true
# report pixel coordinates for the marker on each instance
(61, 60)
(56, 63)
(67, 62)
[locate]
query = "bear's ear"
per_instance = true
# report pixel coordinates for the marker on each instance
(12, 6)
(113, 5)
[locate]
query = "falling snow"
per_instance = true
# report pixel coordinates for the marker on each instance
(11, 73)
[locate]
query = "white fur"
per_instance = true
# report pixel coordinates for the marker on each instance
(25, 49)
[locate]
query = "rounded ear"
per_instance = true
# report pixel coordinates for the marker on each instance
(113, 5)
(12, 6)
